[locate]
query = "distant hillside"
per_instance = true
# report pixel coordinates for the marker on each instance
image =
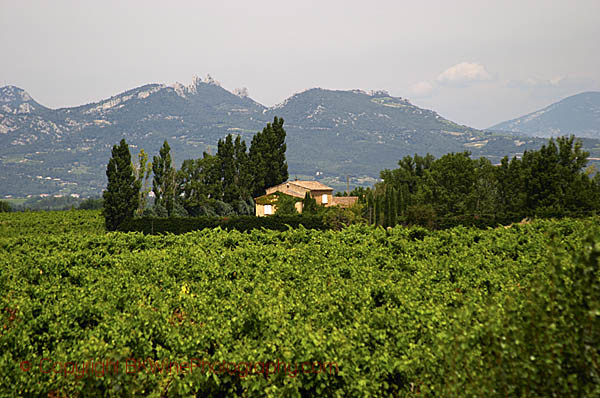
(578, 115)
(331, 134)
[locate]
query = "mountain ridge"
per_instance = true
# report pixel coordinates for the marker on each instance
(332, 134)
(577, 114)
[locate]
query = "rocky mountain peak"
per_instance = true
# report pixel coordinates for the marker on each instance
(14, 94)
(194, 87)
(16, 100)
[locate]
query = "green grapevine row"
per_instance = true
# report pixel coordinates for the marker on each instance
(401, 312)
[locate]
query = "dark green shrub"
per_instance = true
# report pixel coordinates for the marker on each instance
(243, 208)
(309, 204)
(337, 218)
(423, 215)
(206, 211)
(286, 205)
(91, 204)
(156, 211)
(179, 210)
(5, 207)
(223, 209)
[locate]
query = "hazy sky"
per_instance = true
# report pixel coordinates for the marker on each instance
(476, 62)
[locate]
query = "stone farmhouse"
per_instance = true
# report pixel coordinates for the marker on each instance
(323, 195)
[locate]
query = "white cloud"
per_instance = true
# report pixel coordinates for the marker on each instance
(459, 75)
(464, 73)
(421, 89)
(555, 81)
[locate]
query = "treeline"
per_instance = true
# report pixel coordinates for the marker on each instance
(234, 175)
(52, 203)
(213, 185)
(553, 181)
(550, 182)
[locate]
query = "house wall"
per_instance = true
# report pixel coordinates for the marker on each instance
(260, 209)
(344, 201)
(318, 196)
(291, 189)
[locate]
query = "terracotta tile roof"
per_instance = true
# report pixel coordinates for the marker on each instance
(312, 185)
(291, 192)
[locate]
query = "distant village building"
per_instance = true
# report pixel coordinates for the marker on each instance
(323, 195)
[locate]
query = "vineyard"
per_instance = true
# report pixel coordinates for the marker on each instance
(363, 311)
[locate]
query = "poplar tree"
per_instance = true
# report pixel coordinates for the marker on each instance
(163, 183)
(121, 195)
(198, 181)
(242, 177)
(267, 157)
(278, 168)
(142, 173)
(225, 153)
(258, 158)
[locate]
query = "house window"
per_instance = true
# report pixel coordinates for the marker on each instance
(324, 199)
(268, 210)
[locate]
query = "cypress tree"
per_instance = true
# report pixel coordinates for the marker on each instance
(370, 206)
(309, 204)
(402, 198)
(121, 195)
(377, 209)
(393, 207)
(387, 207)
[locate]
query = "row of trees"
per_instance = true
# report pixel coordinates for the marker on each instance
(219, 184)
(235, 174)
(552, 181)
(52, 203)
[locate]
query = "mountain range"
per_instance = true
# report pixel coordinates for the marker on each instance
(332, 135)
(578, 114)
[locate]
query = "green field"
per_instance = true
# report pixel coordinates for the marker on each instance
(358, 312)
